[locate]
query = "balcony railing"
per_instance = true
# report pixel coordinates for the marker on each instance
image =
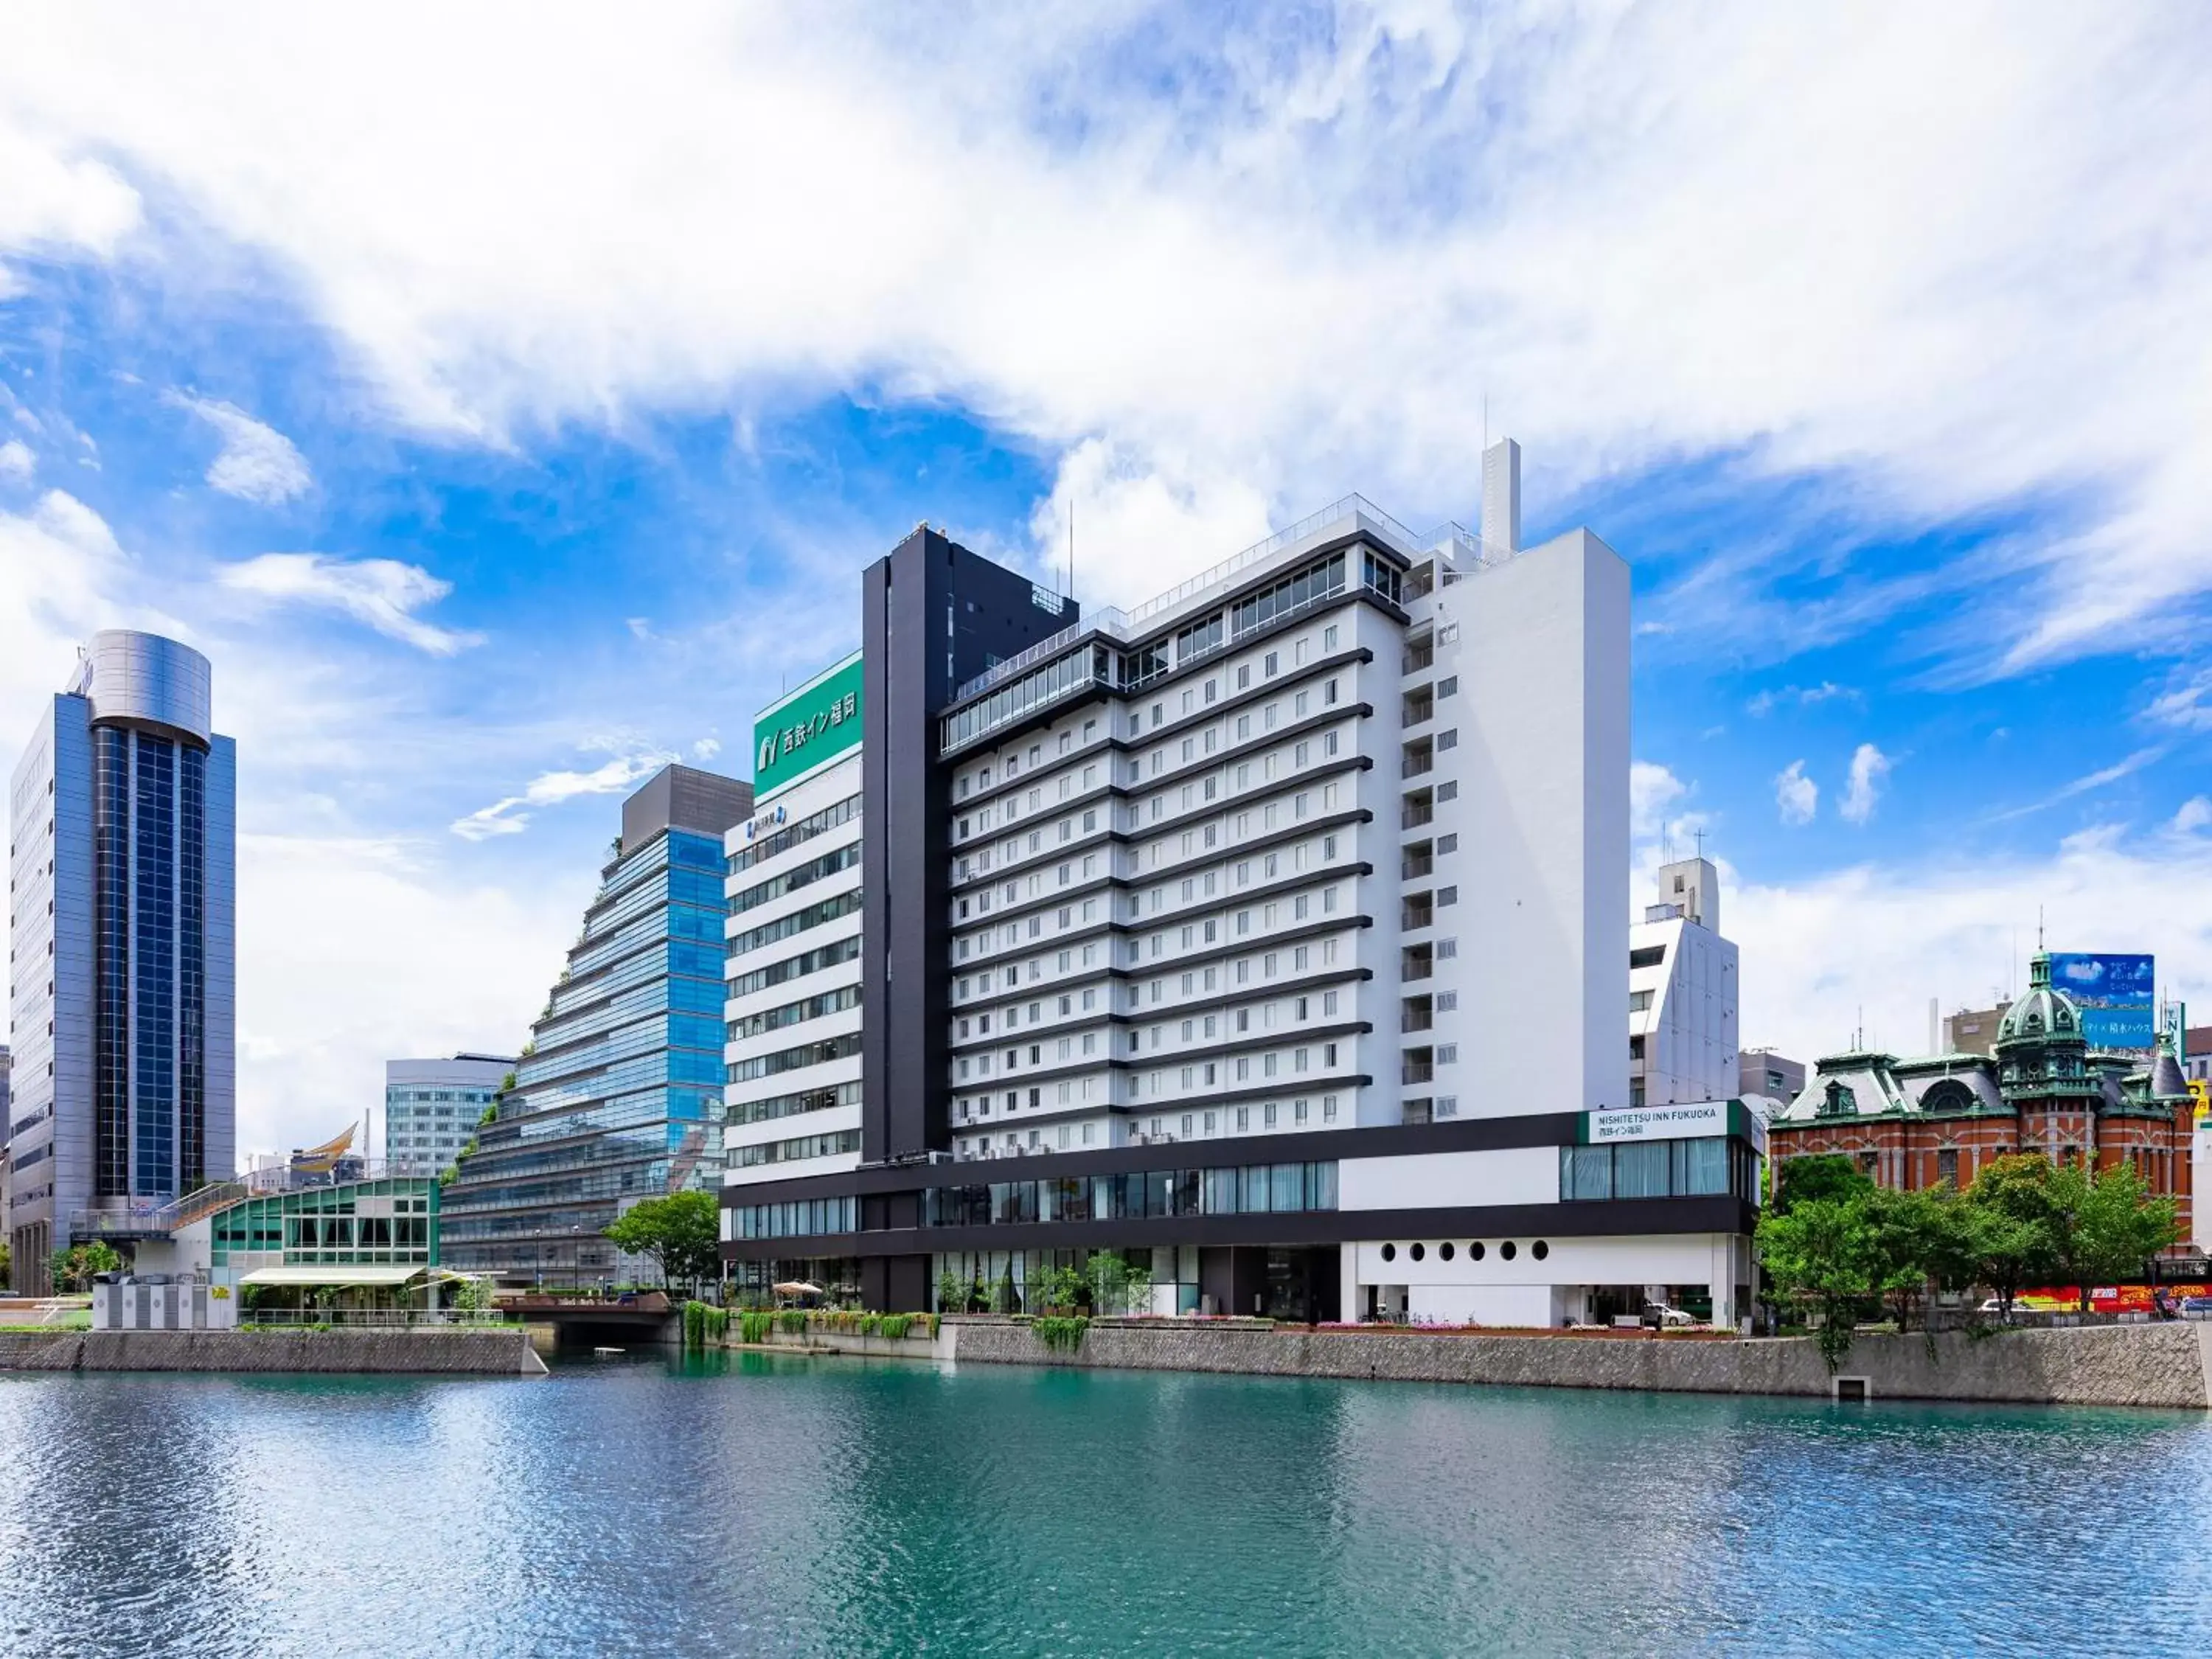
(1416, 1019)
(1417, 1072)
(1419, 762)
(1413, 968)
(1414, 869)
(1417, 813)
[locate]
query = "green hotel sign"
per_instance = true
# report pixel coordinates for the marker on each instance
(812, 727)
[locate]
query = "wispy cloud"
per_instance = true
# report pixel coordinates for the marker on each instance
(1796, 795)
(258, 464)
(1525, 162)
(2088, 781)
(510, 816)
(1651, 790)
(1870, 767)
(2186, 703)
(1804, 696)
(382, 592)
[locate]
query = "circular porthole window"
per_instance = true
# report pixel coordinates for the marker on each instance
(1389, 1252)
(1445, 1250)
(1419, 1252)
(1505, 1250)
(1540, 1249)
(1474, 1251)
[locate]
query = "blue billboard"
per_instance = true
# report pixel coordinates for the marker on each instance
(2115, 993)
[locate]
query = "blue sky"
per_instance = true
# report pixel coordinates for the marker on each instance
(502, 438)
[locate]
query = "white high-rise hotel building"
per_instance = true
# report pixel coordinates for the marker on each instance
(1271, 933)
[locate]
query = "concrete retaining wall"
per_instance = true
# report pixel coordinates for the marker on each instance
(470, 1353)
(916, 1346)
(2165, 1365)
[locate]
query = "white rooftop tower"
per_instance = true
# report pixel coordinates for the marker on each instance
(1501, 497)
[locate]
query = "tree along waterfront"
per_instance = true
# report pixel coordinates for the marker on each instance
(1835, 1244)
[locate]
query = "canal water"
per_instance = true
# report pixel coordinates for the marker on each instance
(760, 1505)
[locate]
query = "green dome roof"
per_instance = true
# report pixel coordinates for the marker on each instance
(2043, 1011)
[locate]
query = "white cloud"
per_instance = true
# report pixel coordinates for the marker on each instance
(2125, 767)
(501, 818)
(1652, 789)
(1890, 938)
(433, 964)
(2195, 814)
(17, 465)
(259, 463)
(1796, 795)
(1288, 275)
(382, 592)
(1805, 696)
(57, 200)
(2186, 703)
(705, 748)
(60, 569)
(1869, 767)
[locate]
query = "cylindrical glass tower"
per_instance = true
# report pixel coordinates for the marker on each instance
(151, 737)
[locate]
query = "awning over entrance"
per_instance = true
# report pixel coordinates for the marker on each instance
(361, 1274)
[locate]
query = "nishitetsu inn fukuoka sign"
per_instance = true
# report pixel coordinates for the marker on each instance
(806, 731)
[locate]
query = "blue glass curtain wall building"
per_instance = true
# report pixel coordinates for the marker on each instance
(123, 831)
(150, 883)
(618, 1096)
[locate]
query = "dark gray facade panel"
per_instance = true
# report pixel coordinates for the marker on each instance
(684, 797)
(1613, 1219)
(932, 615)
(1485, 1134)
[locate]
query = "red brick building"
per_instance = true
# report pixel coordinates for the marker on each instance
(1914, 1123)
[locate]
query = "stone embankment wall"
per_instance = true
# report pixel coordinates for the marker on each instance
(399, 1352)
(916, 1346)
(2163, 1366)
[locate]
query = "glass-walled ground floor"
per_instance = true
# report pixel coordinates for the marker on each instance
(1535, 1280)
(1289, 1282)
(1292, 1283)
(831, 1282)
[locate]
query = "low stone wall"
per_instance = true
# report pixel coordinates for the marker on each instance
(918, 1346)
(401, 1352)
(2163, 1366)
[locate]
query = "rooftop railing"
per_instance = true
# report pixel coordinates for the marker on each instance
(1126, 625)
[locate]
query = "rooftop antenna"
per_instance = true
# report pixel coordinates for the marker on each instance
(1701, 842)
(2038, 928)
(1071, 547)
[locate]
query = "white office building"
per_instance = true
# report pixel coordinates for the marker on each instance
(1682, 1039)
(793, 1096)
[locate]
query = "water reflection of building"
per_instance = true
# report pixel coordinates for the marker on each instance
(1271, 934)
(1914, 1123)
(618, 1095)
